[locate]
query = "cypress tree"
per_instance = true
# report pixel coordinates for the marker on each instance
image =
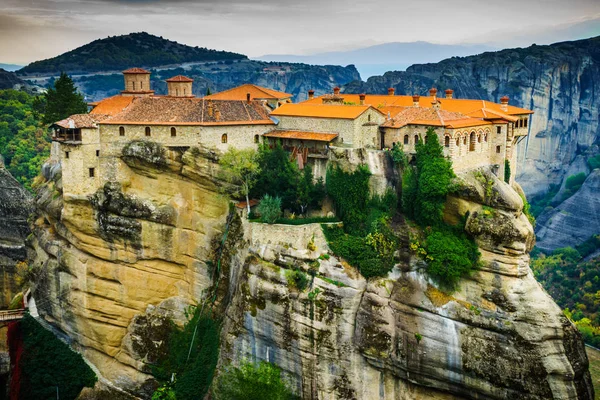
(63, 100)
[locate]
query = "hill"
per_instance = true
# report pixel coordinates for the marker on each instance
(374, 60)
(120, 52)
(8, 80)
(10, 67)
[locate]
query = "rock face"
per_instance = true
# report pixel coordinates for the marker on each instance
(573, 221)
(15, 206)
(111, 268)
(559, 82)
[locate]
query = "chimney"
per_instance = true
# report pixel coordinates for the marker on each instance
(248, 98)
(210, 108)
(311, 94)
(449, 93)
(435, 105)
(416, 98)
(504, 103)
(362, 99)
(433, 93)
(391, 91)
(336, 90)
(217, 115)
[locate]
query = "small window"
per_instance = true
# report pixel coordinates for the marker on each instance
(405, 139)
(121, 131)
(92, 172)
(498, 148)
(416, 139)
(457, 142)
(485, 137)
(97, 153)
(224, 138)
(256, 138)
(133, 85)
(148, 132)
(369, 118)
(498, 129)
(525, 122)
(479, 138)
(465, 140)
(141, 84)
(173, 132)
(66, 154)
(447, 141)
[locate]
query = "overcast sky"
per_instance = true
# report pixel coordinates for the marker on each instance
(37, 29)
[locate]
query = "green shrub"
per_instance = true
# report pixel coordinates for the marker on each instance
(48, 363)
(409, 191)
(269, 209)
(193, 375)
(589, 246)
(506, 171)
(252, 382)
(540, 204)
(297, 279)
(350, 193)
(594, 162)
(398, 156)
(451, 255)
(574, 182)
(527, 210)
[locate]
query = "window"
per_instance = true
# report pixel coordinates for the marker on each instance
(525, 122)
(485, 137)
(148, 132)
(447, 141)
(457, 142)
(256, 139)
(498, 129)
(369, 118)
(479, 138)
(141, 84)
(405, 139)
(224, 138)
(464, 140)
(66, 154)
(472, 142)
(133, 85)
(121, 131)
(416, 139)
(97, 153)
(91, 172)
(498, 148)
(173, 132)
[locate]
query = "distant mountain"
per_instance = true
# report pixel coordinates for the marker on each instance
(8, 80)
(10, 67)
(121, 52)
(375, 60)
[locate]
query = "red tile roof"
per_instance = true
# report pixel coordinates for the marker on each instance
(302, 135)
(112, 105)
(136, 71)
(180, 78)
(339, 111)
(78, 121)
(432, 117)
(256, 93)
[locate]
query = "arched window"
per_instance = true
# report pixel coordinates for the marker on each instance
(405, 139)
(256, 138)
(133, 85)
(457, 142)
(224, 138)
(121, 131)
(416, 139)
(148, 132)
(465, 140)
(142, 85)
(472, 142)
(485, 137)
(447, 141)
(525, 122)
(479, 138)
(173, 132)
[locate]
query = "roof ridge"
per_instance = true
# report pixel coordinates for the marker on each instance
(440, 117)
(244, 103)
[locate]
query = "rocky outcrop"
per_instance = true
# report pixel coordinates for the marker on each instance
(111, 269)
(573, 221)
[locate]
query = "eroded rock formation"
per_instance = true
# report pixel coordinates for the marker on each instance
(111, 269)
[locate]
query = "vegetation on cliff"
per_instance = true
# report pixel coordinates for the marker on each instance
(61, 101)
(121, 52)
(43, 365)
(24, 143)
(252, 382)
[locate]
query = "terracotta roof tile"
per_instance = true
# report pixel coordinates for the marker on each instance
(136, 71)
(180, 78)
(302, 135)
(338, 111)
(112, 105)
(256, 93)
(77, 121)
(432, 117)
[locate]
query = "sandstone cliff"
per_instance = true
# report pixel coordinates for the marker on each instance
(112, 268)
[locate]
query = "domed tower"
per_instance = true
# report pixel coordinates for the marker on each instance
(137, 82)
(180, 86)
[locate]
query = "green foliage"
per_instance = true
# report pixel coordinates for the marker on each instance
(574, 182)
(63, 100)
(410, 186)
(304, 221)
(527, 210)
(589, 246)
(24, 144)
(241, 168)
(47, 363)
(121, 52)
(594, 162)
(279, 176)
(193, 376)
(539, 204)
(164, 392)
(398, 156)
(451, 255)
(309, 193)
(506, 171)
(269, 209)
(297, 279)
(350, 193)
(252, 382)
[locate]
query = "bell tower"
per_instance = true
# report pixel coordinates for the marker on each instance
(180, 86)
(137, 82)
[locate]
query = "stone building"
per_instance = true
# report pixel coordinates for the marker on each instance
(272, 98)
(88, 145)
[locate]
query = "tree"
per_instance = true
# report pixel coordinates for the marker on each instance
(63, 100)
(279, 176)
(241, 168)
(310, 194)
(252, 382)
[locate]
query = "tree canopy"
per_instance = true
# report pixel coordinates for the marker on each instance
(62, 100)
(241, 168)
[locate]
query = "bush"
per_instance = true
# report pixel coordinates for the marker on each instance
(252, 382)
(594, 162)
(45, 363)
(350, 193)
(574, 182)
(297, 279)
(269, 209)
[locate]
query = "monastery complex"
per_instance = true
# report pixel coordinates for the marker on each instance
(474, 133)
